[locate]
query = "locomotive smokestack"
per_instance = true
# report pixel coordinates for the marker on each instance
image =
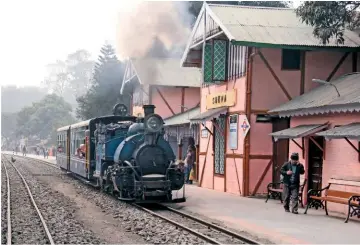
(149, 109)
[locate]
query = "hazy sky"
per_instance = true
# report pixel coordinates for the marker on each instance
(37, 32)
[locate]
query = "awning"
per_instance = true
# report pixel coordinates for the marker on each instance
(350, 131)
(298, 131)
(208, 115)
(182, 118)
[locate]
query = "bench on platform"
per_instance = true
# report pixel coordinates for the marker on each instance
(316, 200)
(275, 190)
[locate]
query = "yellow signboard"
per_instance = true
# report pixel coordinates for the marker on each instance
(138, 111)
(216, 100)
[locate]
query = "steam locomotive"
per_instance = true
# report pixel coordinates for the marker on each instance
(121, 154)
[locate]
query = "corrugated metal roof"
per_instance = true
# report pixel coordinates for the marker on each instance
(208, 115)
(324, 98)
(272, 26)
(351, 131)
(182, 118)
(298, 131)
(166, 72)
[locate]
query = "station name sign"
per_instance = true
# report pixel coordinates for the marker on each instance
(216, 100)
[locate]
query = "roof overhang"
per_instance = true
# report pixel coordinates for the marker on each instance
(208, 115)
(182, 118)
(345, 108)
(298, 131)
(349, 131)
(297, 47)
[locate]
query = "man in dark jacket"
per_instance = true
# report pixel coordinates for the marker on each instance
(291, 172)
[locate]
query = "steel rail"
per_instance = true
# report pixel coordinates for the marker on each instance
(8, 216)
(34, 204)
(216, 227)
(194, 232)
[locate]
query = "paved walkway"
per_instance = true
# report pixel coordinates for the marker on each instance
(268, 220)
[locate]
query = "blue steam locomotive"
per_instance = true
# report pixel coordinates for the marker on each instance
(124, 155)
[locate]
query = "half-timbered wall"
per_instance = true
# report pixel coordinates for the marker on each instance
(273, 85)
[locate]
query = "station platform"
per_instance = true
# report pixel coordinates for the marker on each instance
(50, 159)
(268, 220)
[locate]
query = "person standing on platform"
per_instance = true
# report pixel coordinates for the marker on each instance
(189, 163)
(291, 172)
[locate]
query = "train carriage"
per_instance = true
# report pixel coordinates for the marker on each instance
(122, 154)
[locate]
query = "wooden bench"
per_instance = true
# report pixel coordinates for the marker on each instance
(275, 190)
(316, 200)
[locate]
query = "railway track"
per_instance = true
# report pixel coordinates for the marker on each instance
(205, 230)
(25, 223)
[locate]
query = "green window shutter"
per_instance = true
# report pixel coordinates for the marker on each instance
(208, 64)
(219, 65)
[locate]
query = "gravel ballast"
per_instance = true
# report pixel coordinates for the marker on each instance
(26, 226)
(57, 211)
(3, 204)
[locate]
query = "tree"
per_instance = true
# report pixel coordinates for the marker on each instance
(104, 92)
(70, 78)
(80, 69)
(41, 119)
(330, 19)
(8, 126)
(58, 78)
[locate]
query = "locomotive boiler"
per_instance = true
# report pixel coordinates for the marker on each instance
(125, 155)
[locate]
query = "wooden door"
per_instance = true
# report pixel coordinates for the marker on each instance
(315, 163)
(280, 148)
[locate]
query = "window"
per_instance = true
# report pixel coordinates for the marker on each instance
(219, 145)
(290, 59)
(223, 61)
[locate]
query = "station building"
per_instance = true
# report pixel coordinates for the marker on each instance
(325, 130)
(254, 59)
(175, 91)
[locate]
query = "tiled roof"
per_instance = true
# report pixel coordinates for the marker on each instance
(351, 131)
(267, 25)
(324, 98)
(166, 72)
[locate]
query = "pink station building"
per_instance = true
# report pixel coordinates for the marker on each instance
(259, 102)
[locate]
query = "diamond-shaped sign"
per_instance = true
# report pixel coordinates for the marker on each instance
(244, 125)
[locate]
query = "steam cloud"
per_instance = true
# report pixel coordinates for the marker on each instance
(151, 27)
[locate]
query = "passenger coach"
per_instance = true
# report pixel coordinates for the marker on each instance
(72, 137)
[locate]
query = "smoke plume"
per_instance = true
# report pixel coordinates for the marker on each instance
(153, 29)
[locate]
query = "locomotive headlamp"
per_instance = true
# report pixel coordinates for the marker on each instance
(153, 123)
(120, 110)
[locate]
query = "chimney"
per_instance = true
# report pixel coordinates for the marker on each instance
(148, 109)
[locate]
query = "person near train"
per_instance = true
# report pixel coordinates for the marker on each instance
(24, 150)
(189, 163)
(291, 172)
